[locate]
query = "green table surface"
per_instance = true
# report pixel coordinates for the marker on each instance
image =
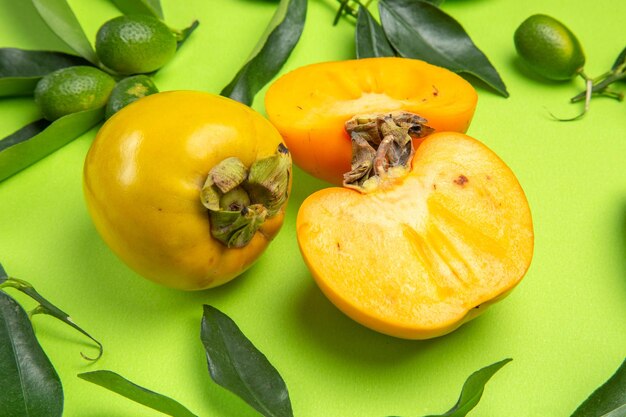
(564, 325)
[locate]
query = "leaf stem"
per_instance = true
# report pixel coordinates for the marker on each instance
(46, 307)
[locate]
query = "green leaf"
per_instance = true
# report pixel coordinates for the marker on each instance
(29, 385)
(371, 40)
(271, 52)
(20, 70)
(3, 275)
(46, 307)
(235, 364)
(61, 19)
(420, 30)
(473, 390)
(609, 400)
(40, 138)
(149, 7)
(620, 61)
(120, 385)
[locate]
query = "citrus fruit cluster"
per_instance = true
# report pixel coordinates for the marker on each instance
(128, 47)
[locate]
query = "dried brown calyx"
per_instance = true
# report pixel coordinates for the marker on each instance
(382, 146)
(239, 199)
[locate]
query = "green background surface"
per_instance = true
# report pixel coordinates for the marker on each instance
(564, 326)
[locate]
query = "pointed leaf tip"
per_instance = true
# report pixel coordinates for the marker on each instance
(370, 39)
(122, 386)
(421, 30)
(271, 52)
(608, 400)
(472, 390)
(237, 365)
(59, 16)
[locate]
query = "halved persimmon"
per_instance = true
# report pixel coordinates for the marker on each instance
(415, 247)
(310, 105)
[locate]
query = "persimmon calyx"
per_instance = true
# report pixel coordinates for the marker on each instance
(382, 147)
(236, 228)
(240, 199)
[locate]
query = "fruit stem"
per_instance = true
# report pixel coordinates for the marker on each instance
(182, 35)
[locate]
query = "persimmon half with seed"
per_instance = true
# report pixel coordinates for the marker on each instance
(418, 241)
(310, 105)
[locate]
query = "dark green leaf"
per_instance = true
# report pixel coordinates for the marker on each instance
(370, 38)
(29, 385)
(149, 7)
(120, 385)
(620, 61)
(183, 35)
(46, 307)
(235, 364)
(40, 138)
(3, 275)
(420, 30)
(271, 52)
(23, 134)
(59, 16)
(20, 70)
(609, 400)
(16, 62)
(473, 390)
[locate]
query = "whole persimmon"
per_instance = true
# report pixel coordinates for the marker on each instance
(430, 226)
(310, 105)
(187, 188)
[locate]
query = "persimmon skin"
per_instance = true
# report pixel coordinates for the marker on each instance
(424, 253)
(143, 177)
(310, 105)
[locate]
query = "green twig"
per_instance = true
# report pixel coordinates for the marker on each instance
(46, 307)
(588, 93)
(349, 10)
(601, 83)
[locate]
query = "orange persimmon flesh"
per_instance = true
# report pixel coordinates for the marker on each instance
(426, 252)
(310, 105)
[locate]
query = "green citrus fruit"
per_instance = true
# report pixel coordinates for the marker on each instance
(135, 44)
(129, 90)
(549, 48)
(72, 89)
